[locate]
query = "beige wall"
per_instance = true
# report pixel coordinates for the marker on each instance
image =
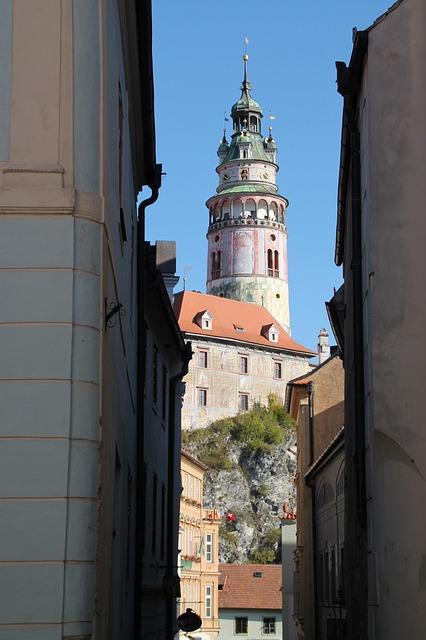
(224, 381)
(66, 385)
(327, 419)
(393, 160)
(197, 570)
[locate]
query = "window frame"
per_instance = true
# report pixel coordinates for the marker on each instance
(242, 395)
(208, 604)
(243, 368)
(240, 619)
(278, 366)
(209, 547)
(269, 626)
(202, 393)
(205, 358)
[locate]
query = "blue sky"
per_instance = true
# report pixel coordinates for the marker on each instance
(198, 46)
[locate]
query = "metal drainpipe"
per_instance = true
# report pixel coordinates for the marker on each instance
(173, 450)
(140, 426)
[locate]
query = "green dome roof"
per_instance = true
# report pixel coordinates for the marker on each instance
(246, 103)
(257, 148)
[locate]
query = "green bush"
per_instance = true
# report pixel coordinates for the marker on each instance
(262, 556)
(257, 430)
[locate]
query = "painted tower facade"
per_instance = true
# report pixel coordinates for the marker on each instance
(247, 235)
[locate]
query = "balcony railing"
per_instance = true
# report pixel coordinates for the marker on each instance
(274, 272)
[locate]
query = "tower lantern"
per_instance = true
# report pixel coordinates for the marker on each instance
(247, 236)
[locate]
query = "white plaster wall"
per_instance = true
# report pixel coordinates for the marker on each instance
(254, 627)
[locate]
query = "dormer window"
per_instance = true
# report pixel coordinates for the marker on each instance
(204, 320)
(270, 332)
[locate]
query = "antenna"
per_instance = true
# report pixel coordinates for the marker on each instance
(185, 271)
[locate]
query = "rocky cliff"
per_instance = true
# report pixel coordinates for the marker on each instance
(251, 474)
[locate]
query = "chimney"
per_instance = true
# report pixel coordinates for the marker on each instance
(323, 346)
(165, 261)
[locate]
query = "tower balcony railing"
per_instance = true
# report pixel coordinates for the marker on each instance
(274, 273)
(215, 274)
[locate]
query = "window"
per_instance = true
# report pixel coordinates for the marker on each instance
(243, 402)
(202, 397)
(154, 515)
(209, 600)
(155, 375)
(209, 547)
(163, 519)
(276, 264)
(273, 263)
(216, 264)
(164, 394)
(269, 626)
(273, 337)
(243, 364)
(240, 625)
(277, 370)
(270, 263)
(202, 359)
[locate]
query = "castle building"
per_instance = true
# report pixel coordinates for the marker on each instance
(240, 329)
(247, 235)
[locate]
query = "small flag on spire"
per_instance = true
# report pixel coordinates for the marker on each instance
(246, 40)
(271, 117)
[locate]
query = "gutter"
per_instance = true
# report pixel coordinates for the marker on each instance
(315, 614)
(140, 401)
(171, 578)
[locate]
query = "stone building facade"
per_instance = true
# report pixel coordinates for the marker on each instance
(379, 317)
(239, 357)
(199, 550)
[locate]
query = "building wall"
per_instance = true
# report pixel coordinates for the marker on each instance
(66, 384)
(255, 623)
(322, 412)
(329, 487)
(197, 570)
(224, 381)
(393, 155)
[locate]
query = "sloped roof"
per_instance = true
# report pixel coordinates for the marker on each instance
(241, 590)
(230, 313)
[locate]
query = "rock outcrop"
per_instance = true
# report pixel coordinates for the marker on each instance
(249, 491)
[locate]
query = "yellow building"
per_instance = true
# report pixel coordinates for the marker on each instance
(198, 544)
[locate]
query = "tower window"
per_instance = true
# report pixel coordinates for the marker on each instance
(244, 174)
(216, 264)
(276, 265)
(277, 370)
(273, 263)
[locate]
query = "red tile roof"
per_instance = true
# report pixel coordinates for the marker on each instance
(242, 590)
(227, 314)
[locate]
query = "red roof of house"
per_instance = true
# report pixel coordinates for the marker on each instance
(228, 314)
(242, 590)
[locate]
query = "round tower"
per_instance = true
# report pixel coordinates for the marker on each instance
(247, 236)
